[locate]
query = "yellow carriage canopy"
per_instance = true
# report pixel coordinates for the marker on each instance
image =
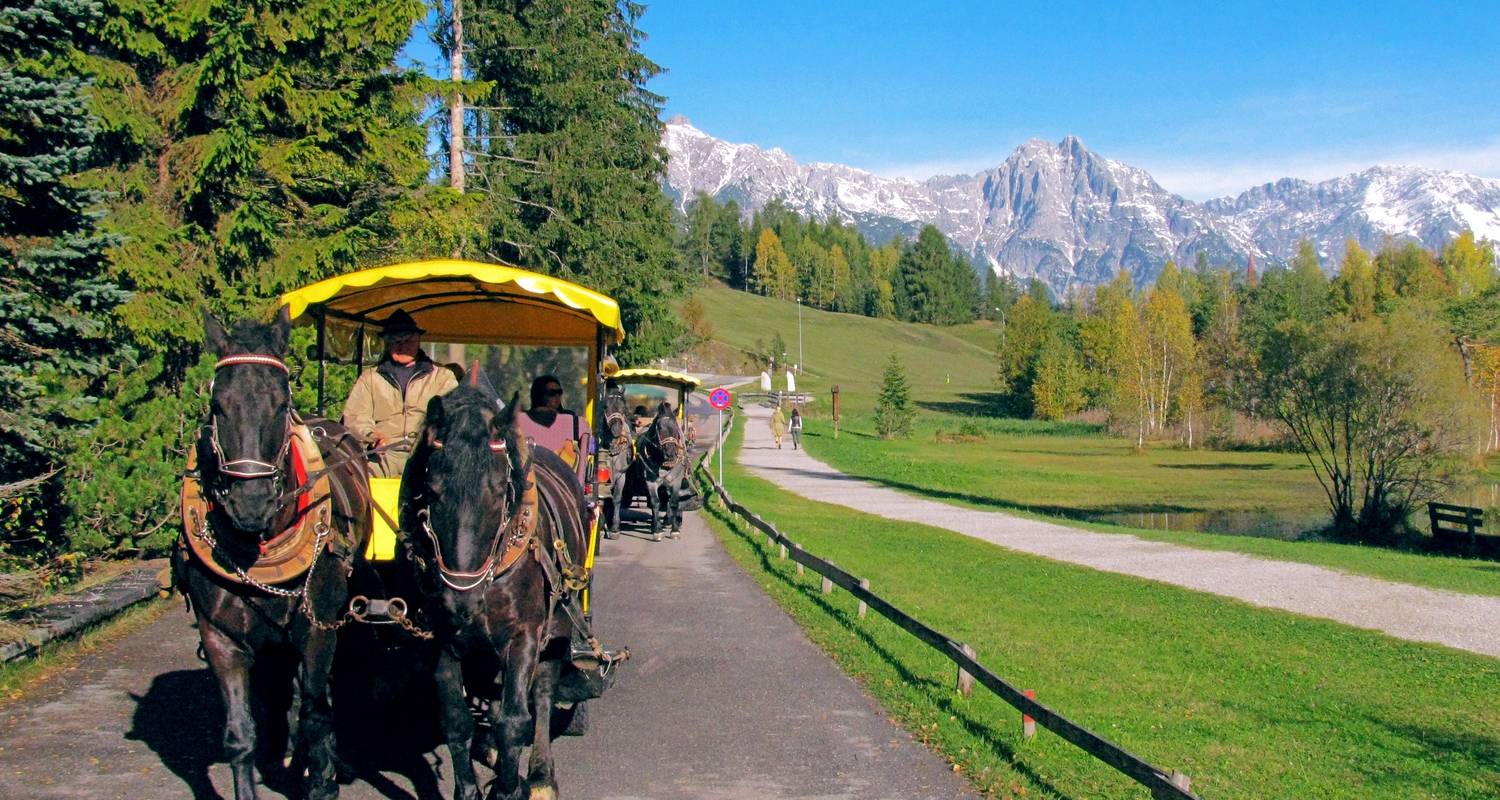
(462, 302)
(657, 377)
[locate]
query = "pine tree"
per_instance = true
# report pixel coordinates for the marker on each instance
(893, 407)
(55, 292)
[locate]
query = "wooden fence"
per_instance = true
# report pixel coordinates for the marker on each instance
(1163, 785)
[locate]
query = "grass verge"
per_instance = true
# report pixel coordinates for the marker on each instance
(1059, 475)
(17, 678)
(1251, 703)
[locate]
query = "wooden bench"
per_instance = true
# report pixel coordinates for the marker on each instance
(1458, 527)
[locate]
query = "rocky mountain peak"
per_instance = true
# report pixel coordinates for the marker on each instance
(1069, 216)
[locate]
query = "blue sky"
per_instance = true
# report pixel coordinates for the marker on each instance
(1211, 97)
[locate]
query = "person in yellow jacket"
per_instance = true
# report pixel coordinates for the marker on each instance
(388, 403)
(778, 425)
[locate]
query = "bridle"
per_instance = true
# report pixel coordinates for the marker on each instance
(246, 469)
(659, 443)
(517, 522)
(622, 439)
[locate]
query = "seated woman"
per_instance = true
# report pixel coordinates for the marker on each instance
(551, 426)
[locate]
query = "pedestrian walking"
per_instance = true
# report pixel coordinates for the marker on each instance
(778, 426)
(795, 426)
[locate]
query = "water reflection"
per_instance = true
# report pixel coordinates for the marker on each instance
(1265, 524)
(1484, 495)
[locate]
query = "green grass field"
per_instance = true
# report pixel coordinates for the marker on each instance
(1069, 471)
(1250, 703)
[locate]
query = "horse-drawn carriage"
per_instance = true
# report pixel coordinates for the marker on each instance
(646, 454)
(479, 554)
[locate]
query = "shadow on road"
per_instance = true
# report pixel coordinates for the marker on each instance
(181, 718)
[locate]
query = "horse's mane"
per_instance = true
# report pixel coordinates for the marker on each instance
(466, 435)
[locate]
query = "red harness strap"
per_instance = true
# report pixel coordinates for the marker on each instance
(299, 474)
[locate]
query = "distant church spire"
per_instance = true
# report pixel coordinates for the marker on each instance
(1250, 272)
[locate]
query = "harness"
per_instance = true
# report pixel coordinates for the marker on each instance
(622, 439)
(659, 443)
(247, 469)
(289, 554)
(515, 532)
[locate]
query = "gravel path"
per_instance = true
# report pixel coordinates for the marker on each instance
(1457, 620)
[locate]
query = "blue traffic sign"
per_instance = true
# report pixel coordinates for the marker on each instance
(719, 398)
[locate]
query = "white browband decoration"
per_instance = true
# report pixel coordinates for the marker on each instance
(251, 358)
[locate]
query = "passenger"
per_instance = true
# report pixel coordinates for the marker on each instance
(551, 426)
(388, 403)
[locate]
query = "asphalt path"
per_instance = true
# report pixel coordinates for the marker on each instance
(724, 698)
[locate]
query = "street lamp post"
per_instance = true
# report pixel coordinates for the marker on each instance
(800, 355)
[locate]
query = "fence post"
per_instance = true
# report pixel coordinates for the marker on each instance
(783, 552)
(965, 680)
(827, 586)
(1180, 781)
(1028, 724)
(864, 583)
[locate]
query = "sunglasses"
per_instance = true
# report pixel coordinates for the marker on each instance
(555, 392)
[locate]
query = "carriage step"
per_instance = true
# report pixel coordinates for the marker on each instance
(587, 677)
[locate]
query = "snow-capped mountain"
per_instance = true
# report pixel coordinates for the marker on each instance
(1069, 216)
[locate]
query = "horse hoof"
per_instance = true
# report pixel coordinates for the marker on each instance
(655, 537)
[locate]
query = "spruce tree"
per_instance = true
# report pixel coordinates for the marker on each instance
(253, 146)
(260, 146)
(893, 407)
(55, 293)
(572, 156)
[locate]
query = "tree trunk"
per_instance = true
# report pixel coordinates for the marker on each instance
(456, 105)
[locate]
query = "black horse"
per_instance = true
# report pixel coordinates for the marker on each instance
(661, 463)
(618, 457)
(249, 469)
(482, 515)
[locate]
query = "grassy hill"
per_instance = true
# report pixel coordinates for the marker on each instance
(948, 368)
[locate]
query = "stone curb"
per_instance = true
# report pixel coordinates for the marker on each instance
(80, 610)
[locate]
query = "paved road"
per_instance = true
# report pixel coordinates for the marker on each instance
(1408, 612)
(725, 699)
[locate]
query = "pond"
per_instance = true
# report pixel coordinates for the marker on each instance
(1265, 524)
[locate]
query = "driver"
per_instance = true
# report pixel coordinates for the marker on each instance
(389, 400)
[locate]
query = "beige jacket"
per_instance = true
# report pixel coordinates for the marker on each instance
(377, 411)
